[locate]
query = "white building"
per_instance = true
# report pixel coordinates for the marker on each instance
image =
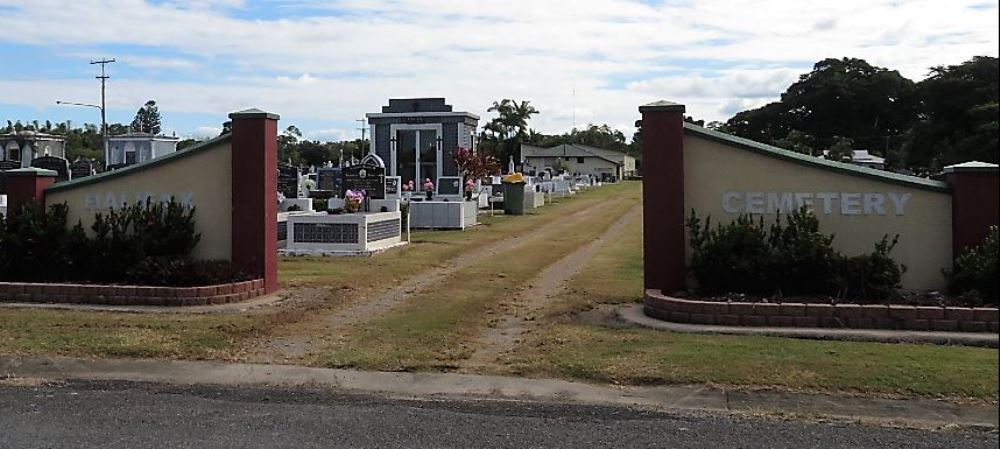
(578, 159)
(866, 159)
(136, 148)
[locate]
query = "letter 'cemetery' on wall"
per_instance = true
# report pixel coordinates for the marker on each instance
(825, 203)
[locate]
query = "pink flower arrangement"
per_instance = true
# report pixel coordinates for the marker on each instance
(470, 185)
(355, 195)
(428, 185)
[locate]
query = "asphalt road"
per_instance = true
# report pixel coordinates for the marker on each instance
(128, 415)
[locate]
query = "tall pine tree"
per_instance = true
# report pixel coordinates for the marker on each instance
(147, 119)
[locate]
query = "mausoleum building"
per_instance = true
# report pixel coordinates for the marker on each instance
(136, 148)
(416, 137)
(23, 147)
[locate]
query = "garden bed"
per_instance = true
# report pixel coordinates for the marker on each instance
(799, 314)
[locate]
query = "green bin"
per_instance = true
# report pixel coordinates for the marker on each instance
(513, 198)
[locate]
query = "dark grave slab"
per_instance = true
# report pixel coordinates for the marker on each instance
(288, 180)
(82, 169)
(392, 185)
(370, 178)
(449, 185)
(56, 164)
(328, 179)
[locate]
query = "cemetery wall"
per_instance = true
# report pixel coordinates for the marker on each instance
(199, 176)
(688, 167)
(723, 179)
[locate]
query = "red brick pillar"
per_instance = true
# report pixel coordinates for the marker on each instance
(664, 246)
(975, 202)
(255, 194)
(26, 186)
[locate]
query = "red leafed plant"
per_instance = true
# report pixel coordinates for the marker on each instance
(475, 166)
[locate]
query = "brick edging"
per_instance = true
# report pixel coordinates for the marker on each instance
(130, 295)
(855, 316)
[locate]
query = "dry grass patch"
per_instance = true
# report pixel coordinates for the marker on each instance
(434, 328)
(60, 332)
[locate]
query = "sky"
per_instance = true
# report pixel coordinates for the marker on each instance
(322, 65)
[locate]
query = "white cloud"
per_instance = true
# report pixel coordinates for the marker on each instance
(713, 55)
(327, 135)
(205, 132)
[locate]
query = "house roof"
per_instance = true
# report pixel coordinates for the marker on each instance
(815, 162)
(31, 135)
(573, 150)
(863, 156)
(972, 166)
(142, 136)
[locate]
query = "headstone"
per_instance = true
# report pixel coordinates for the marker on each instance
(288, 180)
(82, 169)
(328, 180)
(392, 186)
(449, 185)
(367, 177)
(56, 164)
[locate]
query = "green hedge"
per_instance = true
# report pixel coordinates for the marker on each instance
(788, 257)
(143, 243)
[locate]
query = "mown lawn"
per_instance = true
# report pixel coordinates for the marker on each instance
(640, 356)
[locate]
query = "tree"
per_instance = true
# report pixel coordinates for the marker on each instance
(186, 143)
(842, 150)
(957, 116)
(288, 144)
(475, 166)
(798, 142)
(840, 97)
(147, 119)
(313, 153)
(503, 134)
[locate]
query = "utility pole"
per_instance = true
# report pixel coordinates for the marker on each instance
(104, 118)
(362, 129)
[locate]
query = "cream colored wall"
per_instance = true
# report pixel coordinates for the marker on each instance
(711, 169)
(203, 178)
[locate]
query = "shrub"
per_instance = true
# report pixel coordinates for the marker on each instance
(727, 258)
(125, 237)
(37, 245)
(870, 276)
(790, 257)
(975, 273)
(802, 258)
(148, 243)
